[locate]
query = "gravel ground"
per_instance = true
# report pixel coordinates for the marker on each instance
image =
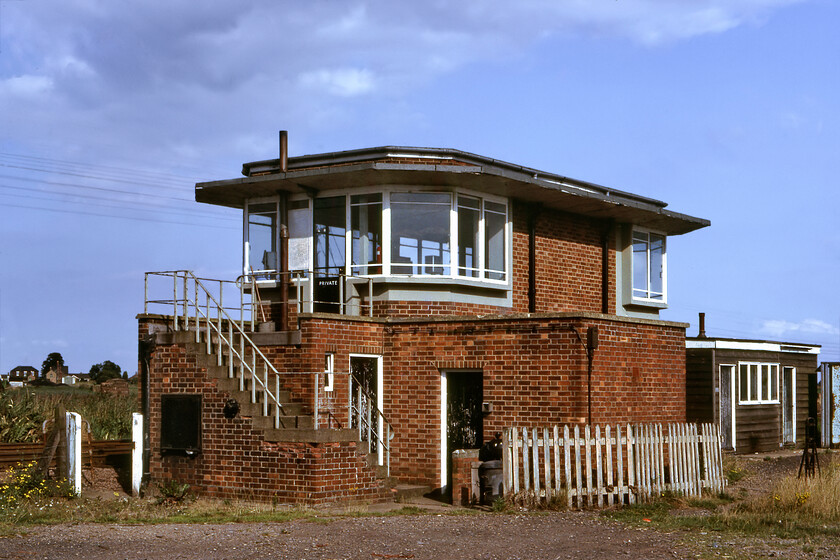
(556, 535)
(440, 533)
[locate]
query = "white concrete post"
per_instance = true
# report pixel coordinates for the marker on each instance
(74, 451)
(136, 453)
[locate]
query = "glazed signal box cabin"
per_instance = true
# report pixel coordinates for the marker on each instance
(396, 304)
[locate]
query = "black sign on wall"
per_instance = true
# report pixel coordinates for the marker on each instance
(180, 424)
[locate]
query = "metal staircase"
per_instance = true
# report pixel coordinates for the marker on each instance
(221, 339)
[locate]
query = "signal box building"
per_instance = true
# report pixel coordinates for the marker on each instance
(404, 303)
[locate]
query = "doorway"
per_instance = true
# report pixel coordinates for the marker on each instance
(727, 406)
(366, 374)
(462, 425)
(788, 405)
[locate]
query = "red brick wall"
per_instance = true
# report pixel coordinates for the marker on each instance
(235, 460)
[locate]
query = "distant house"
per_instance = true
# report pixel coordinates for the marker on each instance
(57, 373)
(75, 378)
(21, 375)
(759, 392)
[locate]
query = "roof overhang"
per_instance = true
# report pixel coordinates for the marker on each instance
(751, 345)
(360, 168)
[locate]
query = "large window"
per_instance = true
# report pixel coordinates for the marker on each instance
(648, 266)
(261, 238)
(390, 232)
(420, 233)
(758, 383)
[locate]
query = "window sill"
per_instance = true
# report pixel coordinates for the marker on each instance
(758, 403)
(405, 280)
(646, 304)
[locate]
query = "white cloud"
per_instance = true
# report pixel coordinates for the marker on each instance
(780, 328)
(25, 86)
(345, 82)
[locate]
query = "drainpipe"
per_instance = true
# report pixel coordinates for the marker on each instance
(605, 267)
(284, 278)
(145, 349)
(533, 211)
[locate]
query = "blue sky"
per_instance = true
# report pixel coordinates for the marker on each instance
(110, 112)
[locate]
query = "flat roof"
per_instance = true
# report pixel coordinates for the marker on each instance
(752, 345)
(400, 165)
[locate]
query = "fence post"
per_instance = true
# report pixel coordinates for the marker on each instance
(136, 452)
(74, 451)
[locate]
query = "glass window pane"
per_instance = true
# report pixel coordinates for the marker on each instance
(262, 236)
(329, 218)
(420, 233)
(657, 253)
(743, 383)
(494, 235)
(640, 265)
(774, 382)
(300, 235)
(468, 221)
(366, 226)
(753, 382)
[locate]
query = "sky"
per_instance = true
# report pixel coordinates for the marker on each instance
(110, 112)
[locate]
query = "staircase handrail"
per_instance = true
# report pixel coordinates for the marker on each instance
(228, 341)
(366, 425)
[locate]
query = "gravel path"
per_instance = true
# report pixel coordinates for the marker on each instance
(554, 535)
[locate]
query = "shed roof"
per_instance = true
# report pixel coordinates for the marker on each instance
(445, 168)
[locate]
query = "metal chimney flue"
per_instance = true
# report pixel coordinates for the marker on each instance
(702, 333)
(284, 151)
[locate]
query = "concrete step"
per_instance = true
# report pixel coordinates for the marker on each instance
(405, 492)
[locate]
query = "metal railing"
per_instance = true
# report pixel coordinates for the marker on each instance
(346, 301)
(194, 308)
(372, 424)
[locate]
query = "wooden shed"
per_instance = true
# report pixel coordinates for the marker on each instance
(759, 392)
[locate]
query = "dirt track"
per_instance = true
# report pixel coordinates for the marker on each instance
(484, 536)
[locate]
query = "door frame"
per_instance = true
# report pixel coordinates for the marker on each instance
(380, 400)
(733, 398)
(444, 420)
(792, 407)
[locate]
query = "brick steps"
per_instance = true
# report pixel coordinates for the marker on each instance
(294, 425)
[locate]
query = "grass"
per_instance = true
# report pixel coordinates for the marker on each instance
(23, 412)
(797, 513)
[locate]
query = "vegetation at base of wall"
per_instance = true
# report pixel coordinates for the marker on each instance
(796, 509)
(23, 412)
(25, 485)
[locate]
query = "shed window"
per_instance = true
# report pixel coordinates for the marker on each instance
(758, 383)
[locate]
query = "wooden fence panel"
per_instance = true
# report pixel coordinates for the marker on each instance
(616, 465)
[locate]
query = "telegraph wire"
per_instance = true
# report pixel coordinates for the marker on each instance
(79, 212)
(77, 186)
(159, 174)
(129, 205)
(85, 176)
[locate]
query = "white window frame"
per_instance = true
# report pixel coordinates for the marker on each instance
(329, 372)
(656, 298)
(480, 259)
(765, 380)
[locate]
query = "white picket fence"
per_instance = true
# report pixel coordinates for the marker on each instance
(612, 466)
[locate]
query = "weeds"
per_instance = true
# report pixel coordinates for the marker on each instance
(23, 412)
(25, 486)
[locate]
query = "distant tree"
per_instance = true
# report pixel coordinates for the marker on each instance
(52, 362)
(104, 371)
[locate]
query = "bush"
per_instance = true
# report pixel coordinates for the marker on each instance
(25, 483)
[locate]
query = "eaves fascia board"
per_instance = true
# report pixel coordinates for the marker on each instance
(751, 345)
(306, 172)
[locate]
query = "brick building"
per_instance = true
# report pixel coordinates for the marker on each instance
(440, 294)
